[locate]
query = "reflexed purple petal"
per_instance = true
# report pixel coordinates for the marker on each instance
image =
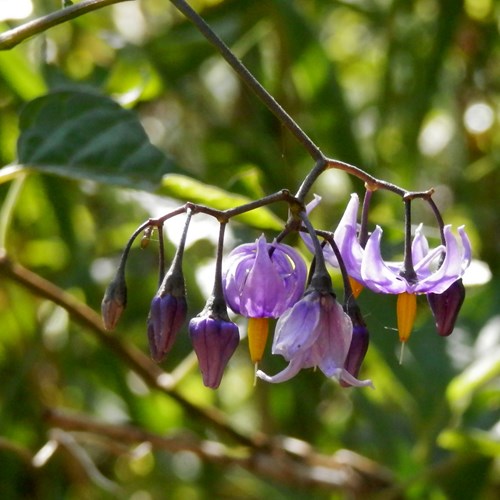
(419, 246)
(346, 377)
(467, 251)
(306, 238)
(423, 267)
(352, 252)
(449, 271)
(375, 273)
(294, 367)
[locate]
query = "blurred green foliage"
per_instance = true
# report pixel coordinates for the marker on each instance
(408, 90)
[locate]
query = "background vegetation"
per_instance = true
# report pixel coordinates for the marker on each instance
(408, 90)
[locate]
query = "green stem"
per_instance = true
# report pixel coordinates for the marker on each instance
(8, 208)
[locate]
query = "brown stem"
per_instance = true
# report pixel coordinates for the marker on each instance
(152, 374)
(290, 461)
(15, 36)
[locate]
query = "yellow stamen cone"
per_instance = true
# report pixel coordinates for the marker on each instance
(406, 311)
(356, 287)
(258, 329)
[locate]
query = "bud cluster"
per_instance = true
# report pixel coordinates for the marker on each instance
(263, 281)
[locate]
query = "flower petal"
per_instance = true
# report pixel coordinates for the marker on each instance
(449, 271)
(294, 367)
(297, 328)
(376, 275)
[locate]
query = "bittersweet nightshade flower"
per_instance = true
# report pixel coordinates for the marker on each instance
(445, 307)
(214, 338)
(367, 266)
(261, 280)
(315, 332)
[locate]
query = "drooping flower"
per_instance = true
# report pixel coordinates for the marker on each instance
(262, 280)
(367, 266)
(214, 338)
(315, 332)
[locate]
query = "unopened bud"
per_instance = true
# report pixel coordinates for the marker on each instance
(167, 314)
(446, 306)
(214, 338)
(166, 318)
(359, 343)
(114, 301)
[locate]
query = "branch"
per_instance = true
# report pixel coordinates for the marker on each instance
(151, 373)
(247, 78)
(290, 461)
(17, 35)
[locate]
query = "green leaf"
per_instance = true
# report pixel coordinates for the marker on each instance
(185, 188)
(472, 379)
(85, 135)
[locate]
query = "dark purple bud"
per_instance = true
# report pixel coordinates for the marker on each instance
(446, 306)
(214, 341)
(167, 314)
(166, 317)
(359, 342)
(114, 301)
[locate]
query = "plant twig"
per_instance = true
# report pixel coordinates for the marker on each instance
(151, 373)
(290, 461)
(15, 36)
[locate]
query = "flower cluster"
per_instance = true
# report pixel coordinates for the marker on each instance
(265, 281)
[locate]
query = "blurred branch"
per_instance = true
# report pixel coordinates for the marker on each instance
(17, 35)
(151, 373)
(290, 461)
(23, 453)
(286, 460)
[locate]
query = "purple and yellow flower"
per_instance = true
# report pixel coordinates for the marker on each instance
(315, 332)
(434, 270)
(367, 266)
(262, 280)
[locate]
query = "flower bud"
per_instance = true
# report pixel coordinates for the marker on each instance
(446, 306)
(166, 318)
(167, 314)
(214, 341)
(114, 301)
(359, 343)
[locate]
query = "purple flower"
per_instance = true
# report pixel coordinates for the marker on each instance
(445, 307)
(314, 332)
(435, 269)
(214, 341)
(262, 280)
